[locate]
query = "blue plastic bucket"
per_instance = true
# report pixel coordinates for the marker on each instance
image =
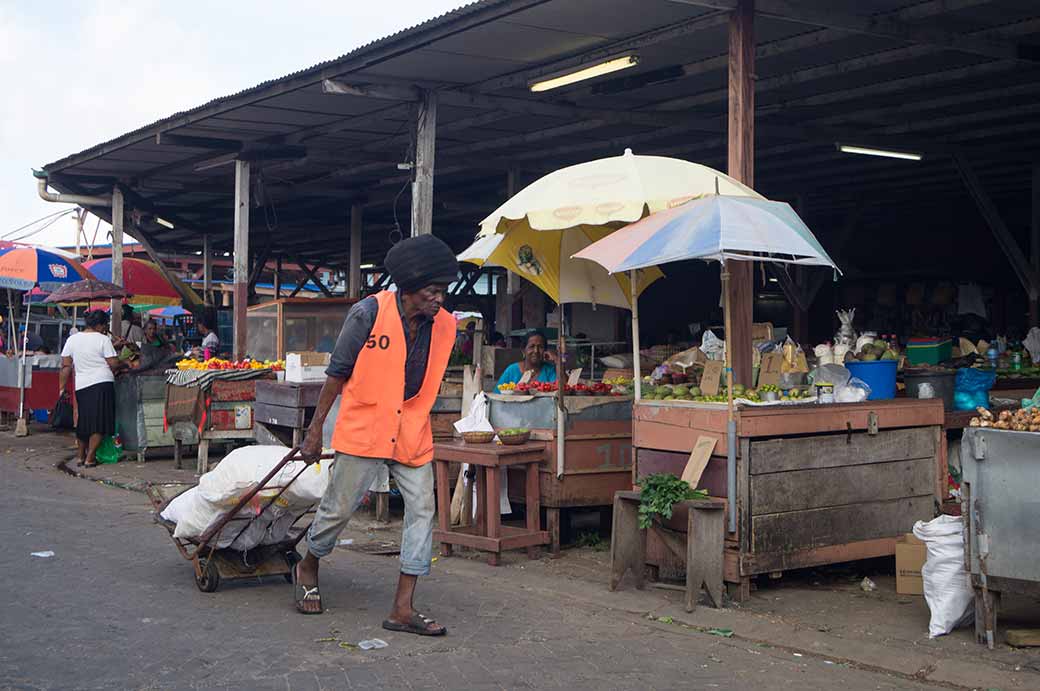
(879, 375)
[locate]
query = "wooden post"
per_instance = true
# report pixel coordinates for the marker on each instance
(207, 271)
(354, 275)
(741, 166)
(1034, 245)
(118, 218)
(422, 185)
(241, 256)
(278, 277)
(505, 288)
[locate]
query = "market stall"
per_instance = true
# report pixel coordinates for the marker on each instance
(211, 405)
(596, 450)
(814, 484)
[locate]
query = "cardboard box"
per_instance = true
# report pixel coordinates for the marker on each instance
(911, 554)
(306, 366)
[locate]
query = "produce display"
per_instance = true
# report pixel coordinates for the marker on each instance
(513, 432)
(870, 352)
(659, 493)
(218, 363)
(682, 392)
(1021, 420)
(594, 389)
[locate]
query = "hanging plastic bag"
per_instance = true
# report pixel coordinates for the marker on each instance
(947, 586)
(971, 388)
(713, 346)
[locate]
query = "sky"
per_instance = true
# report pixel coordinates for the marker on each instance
(75, 73)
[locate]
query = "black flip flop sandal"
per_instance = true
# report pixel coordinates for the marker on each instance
(419, 624)
(302, 593)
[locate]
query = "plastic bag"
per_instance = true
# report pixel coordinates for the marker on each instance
(947, 586)
(108, 451)
(477, 418)
(855, 391)
(62, 415)
(925, 391)
(713, 346)
(838, 375)
(971, 388)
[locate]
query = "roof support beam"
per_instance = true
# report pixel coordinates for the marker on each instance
(241, 257)
(168, 139)
(518, 106)
(882, 26)
(738, 277)
(1027, 276)
(422, 183)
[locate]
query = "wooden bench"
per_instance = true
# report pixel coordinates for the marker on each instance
(703, 544)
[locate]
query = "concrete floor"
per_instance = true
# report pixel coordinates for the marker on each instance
(117, 607)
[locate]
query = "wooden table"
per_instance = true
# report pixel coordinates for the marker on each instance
(490, 461)
(704, 527)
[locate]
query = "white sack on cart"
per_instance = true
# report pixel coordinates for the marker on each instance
(947, 586)
(241, 470)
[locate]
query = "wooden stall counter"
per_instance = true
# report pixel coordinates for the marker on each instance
(816, 484)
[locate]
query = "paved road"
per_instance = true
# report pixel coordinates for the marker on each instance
(116, 607)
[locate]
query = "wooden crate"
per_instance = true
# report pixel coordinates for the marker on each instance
(233, 390)
(291, 394)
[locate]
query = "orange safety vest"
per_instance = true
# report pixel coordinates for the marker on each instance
(374, 419)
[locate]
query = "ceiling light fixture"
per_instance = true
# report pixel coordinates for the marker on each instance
(885, 153)
(367, 266)
(164, 222)
(563, 79)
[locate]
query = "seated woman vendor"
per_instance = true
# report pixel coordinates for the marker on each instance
(537, 359)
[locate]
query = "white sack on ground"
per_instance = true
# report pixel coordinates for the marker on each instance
(220, 489)
(947, 586)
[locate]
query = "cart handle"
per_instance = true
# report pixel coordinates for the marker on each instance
(248, 497)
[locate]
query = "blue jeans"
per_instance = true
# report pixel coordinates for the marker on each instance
(349, 479)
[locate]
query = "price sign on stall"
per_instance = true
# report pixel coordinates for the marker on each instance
(699, 458)
(769, 371)
(574, 376)
(711, 377)
(526, 376)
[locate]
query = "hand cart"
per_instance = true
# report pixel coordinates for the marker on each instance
(213, 564)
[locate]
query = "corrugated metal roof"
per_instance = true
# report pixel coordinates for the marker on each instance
(441, 20)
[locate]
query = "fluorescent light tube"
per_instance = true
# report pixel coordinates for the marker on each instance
(164, 222)
(599, 69)
(885, 153)
(367, 266)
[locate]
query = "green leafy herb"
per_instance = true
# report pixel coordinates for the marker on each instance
(660, 492)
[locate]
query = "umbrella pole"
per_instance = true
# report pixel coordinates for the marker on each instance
(636, 373)
(561, 383)
(21, 428)
(11, 345)
(731, 423)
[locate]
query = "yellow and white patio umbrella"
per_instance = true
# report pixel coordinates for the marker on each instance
(536, 232)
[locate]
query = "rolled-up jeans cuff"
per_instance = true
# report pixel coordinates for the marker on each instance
(319, 551)
(415, 568)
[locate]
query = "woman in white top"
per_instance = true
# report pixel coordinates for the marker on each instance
(91, 355)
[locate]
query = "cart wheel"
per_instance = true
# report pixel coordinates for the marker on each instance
(292, 558)
(210, 579)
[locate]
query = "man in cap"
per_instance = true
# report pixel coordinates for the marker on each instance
(387, 368)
